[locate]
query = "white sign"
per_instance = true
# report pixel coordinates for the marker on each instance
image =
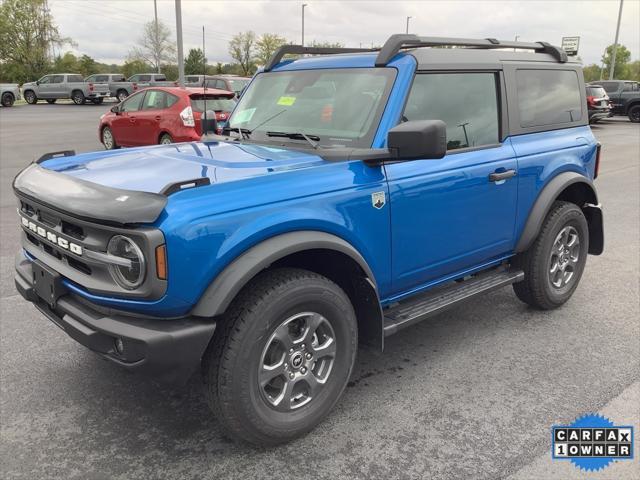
(570, 45)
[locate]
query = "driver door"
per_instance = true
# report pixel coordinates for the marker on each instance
(125, 125)
(448, 215)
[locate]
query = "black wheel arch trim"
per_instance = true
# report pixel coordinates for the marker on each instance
(543, 203)
(228, 283)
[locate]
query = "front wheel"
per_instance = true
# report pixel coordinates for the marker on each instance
(634, 114)
(77, 97)
(8, 99)
(30, 97)
(554, 263)
(282, 357)
(108, 139)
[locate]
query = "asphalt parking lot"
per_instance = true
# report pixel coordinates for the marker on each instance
(471, 393)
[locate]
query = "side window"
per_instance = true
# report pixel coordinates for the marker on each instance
(134, 78)
(91, 78)
(155, 100)
(170, 100)
(45, 80)
(144, 78)
(74, 79)
(466, 102)
(609, 87)
(548, 97)
(133, 103)
(101, 78)
(57, 79)
(221, 84)
(118, 78)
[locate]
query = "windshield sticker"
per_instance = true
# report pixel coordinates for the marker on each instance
(286, 101)
(244, 115)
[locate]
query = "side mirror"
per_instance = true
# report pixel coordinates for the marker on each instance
(37, 82)
(116, 109)
(418, 139)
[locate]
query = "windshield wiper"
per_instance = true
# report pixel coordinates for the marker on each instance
(243, 133)
(312, 139)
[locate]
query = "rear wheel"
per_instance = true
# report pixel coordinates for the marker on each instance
(165, 139)
(108, 139)
(30, 97)
(634, 113)
(77, 97)
(554, 263)
(282, 357)
(8, 99)
(51, 100)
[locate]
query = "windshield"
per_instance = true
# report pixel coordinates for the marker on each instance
(339, 107)
(237, 84)
(217, 104)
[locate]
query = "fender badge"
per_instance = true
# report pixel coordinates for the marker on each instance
(378, 200)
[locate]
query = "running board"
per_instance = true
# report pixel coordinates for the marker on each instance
(432, 302)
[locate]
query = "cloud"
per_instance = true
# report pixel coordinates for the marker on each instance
(108, 29)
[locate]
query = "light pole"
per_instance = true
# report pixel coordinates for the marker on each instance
(408, 18)
(179, 41)
(156, 42)
(303, 5)
(517, 37)
(615, 44)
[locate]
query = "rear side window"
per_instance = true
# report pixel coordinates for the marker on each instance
(117, 78)
(75, 78)
(59, 79)
(144, 78)
(548, 97)
(160, 78)
(101, 78)
(158, 100)
(610, 87)
(596, 92)
(466, 102)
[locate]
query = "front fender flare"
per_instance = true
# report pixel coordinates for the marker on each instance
(544, 202)
(224, 288)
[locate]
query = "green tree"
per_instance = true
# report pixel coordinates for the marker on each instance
(67, 63)
(622, 58)
(591, 73)
(195, 63)
(170, 71)
(633, 71)
(241, 50)
(134, 65)
(156, 46)
(266, 46)
(87, 66)
(28, 34)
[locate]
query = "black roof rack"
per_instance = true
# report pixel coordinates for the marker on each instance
(397, 42)
(300, 50)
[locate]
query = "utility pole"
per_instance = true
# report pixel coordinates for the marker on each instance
(408, 18)
(517, 37)
(615, 44)
(303, 5)
(179, 38)
(156, 41)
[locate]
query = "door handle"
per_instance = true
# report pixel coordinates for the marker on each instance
(132, 119)
(498, 176)
(158, 117)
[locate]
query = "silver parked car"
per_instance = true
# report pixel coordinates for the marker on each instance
(119, 87)
(65, 85)
(9, 93)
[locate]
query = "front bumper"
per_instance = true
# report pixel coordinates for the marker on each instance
(169, 350)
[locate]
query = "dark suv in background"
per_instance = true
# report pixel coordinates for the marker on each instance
(625, 97)
(598, 103)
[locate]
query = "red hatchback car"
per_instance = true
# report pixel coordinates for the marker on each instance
(163, 115)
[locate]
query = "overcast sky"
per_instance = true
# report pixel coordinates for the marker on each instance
(107, 29)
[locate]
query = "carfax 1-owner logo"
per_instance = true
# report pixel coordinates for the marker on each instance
(592, 442)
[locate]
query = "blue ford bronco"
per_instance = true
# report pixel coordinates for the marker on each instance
(352, 194)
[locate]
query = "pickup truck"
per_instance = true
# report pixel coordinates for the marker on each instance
(119, 87)
(348, 198)
(624, 96)
(151, 80)
(9, 93)
(64, 85)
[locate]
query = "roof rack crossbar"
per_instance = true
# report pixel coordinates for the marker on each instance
(399, 41)
(300, 50)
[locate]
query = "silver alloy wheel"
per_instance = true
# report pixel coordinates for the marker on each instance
(296, 361)
(565, 255)
(165, 140)
(107, 138)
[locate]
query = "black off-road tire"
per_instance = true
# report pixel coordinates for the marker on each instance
(537, 289)
(233, 360)
(8, 99)
(78, 97)
(634, 113)
(51, 101)
(30, 97)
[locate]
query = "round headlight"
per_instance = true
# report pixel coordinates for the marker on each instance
(130, 276)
